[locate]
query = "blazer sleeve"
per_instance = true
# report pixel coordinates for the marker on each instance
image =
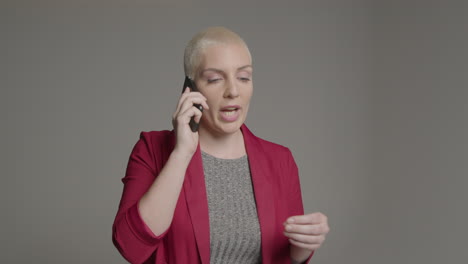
(295, 195)
(131, 236)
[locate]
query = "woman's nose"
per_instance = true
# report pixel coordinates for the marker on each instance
(232, 90)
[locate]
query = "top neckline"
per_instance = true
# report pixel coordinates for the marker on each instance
(204, 154)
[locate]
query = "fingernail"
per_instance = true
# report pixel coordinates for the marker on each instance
(291, 220)
(288, 227)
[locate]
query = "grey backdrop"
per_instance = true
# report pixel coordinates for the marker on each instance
(371, 96)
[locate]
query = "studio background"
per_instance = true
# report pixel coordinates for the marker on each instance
(370, 96)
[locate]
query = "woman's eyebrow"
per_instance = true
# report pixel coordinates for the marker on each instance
(212, 69)
(221, 71)
(244, 67)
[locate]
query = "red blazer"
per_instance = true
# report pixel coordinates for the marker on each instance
(276, 189)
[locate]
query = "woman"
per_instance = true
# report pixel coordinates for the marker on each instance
(219, 195)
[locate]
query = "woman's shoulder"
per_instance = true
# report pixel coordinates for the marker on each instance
(266, 145)
(156, 134)
(156, 139)
(272, 146)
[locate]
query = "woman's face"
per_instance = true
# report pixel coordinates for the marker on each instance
(225, 79)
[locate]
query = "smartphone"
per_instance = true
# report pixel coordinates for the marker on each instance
(193, 88)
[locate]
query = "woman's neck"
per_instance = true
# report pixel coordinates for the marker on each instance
(226, 146)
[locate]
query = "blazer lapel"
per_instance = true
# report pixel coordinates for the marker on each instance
(259, 169)
(197, 203)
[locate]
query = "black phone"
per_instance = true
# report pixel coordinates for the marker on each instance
(193, 88)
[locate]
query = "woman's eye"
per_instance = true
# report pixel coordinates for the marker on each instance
(244, 79)
(213, 80)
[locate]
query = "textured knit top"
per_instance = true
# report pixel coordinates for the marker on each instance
(234, 227)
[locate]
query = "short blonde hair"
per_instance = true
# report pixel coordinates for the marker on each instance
(203, 39)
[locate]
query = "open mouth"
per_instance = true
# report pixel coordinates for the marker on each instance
(230, 111)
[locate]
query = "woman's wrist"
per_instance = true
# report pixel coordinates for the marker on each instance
(299, 255)
(181, 157)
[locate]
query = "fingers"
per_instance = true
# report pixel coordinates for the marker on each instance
(313, 218)
(190, 101)
(184, 117)
(181, 98)
(311, 224)
(187, 100)
(304, 245)
(307, 239)
(317, 229)
(307, 231)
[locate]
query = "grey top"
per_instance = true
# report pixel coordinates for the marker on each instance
(234, 227)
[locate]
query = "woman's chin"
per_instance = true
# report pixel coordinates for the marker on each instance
(229, 128)
(226, 127)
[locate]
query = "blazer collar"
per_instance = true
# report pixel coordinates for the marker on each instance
(197, 202)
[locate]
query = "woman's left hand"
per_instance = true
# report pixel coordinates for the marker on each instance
(307, 231)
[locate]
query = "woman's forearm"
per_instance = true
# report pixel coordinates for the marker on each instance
(157, 205)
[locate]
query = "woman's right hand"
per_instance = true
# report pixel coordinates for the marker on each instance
(186, 140)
